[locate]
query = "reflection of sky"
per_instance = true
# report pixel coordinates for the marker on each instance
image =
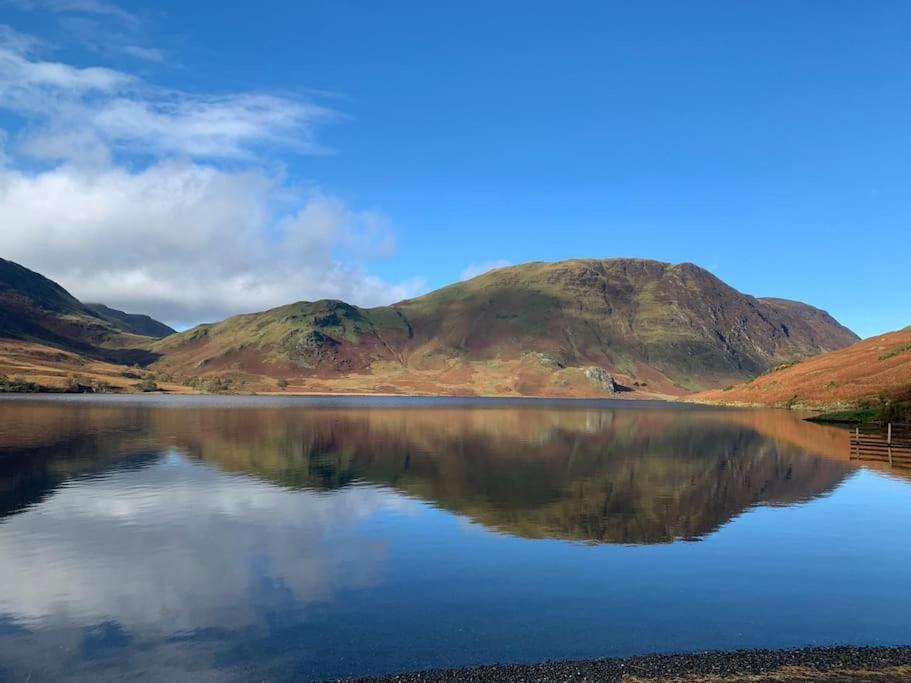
(179, 546)
(176, 569)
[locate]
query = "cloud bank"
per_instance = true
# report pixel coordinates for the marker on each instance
(162, 202)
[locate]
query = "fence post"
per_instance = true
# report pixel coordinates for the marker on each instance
(889, 443)
(856, 443)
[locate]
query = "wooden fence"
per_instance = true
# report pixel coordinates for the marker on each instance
(888, 443)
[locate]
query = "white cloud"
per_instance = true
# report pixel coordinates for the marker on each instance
(186, 242)
(134, 207)
(150, 54)
(476, 269)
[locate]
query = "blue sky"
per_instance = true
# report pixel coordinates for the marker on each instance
(405, 143)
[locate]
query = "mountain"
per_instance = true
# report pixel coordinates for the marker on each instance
(571, 328)
(23, 293)
(863, 372)
(36, 310)
(135, 323)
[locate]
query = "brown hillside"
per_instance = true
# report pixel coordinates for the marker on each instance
(879, 366)
(54, 369)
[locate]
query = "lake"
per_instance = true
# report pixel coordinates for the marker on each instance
(271, 539)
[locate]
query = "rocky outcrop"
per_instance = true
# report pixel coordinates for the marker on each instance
(602, 379)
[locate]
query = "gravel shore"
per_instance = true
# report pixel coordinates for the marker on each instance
(808, 664)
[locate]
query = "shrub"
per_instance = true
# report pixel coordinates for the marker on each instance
(896, 351)
(210, 385)
(17, 385)
(895, 411)
(101, 387)
(148, 384)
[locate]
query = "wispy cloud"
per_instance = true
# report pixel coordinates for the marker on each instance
(101, 26)
(90, 7)
(18, 43)
(121, 111)
(150, 54)
(32, 85)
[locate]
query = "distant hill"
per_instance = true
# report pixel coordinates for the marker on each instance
(870, 369)
(37, 310)
(538, 328)
(131, 322)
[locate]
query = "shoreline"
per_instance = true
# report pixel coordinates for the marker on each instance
(616, 396)
(836, 663)
(683, 399)
(582, 401)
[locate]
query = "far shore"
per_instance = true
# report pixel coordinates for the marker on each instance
(618, 397)
(670, 400)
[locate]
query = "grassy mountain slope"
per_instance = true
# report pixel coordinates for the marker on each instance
(537, 328)
(36, 310)
(870, 369)
(135, 323)
(621, 313)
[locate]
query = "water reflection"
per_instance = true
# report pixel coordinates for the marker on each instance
(619, 476)
(189, 525)
(307, 540)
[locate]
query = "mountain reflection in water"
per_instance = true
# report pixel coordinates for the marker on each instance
(239, 539)
(614, 476)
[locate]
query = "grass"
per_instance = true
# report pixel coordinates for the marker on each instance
(896, 351)
(858, 416)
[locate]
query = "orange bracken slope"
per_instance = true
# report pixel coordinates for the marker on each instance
(868, 369)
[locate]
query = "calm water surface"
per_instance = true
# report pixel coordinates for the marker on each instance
(230, 539)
